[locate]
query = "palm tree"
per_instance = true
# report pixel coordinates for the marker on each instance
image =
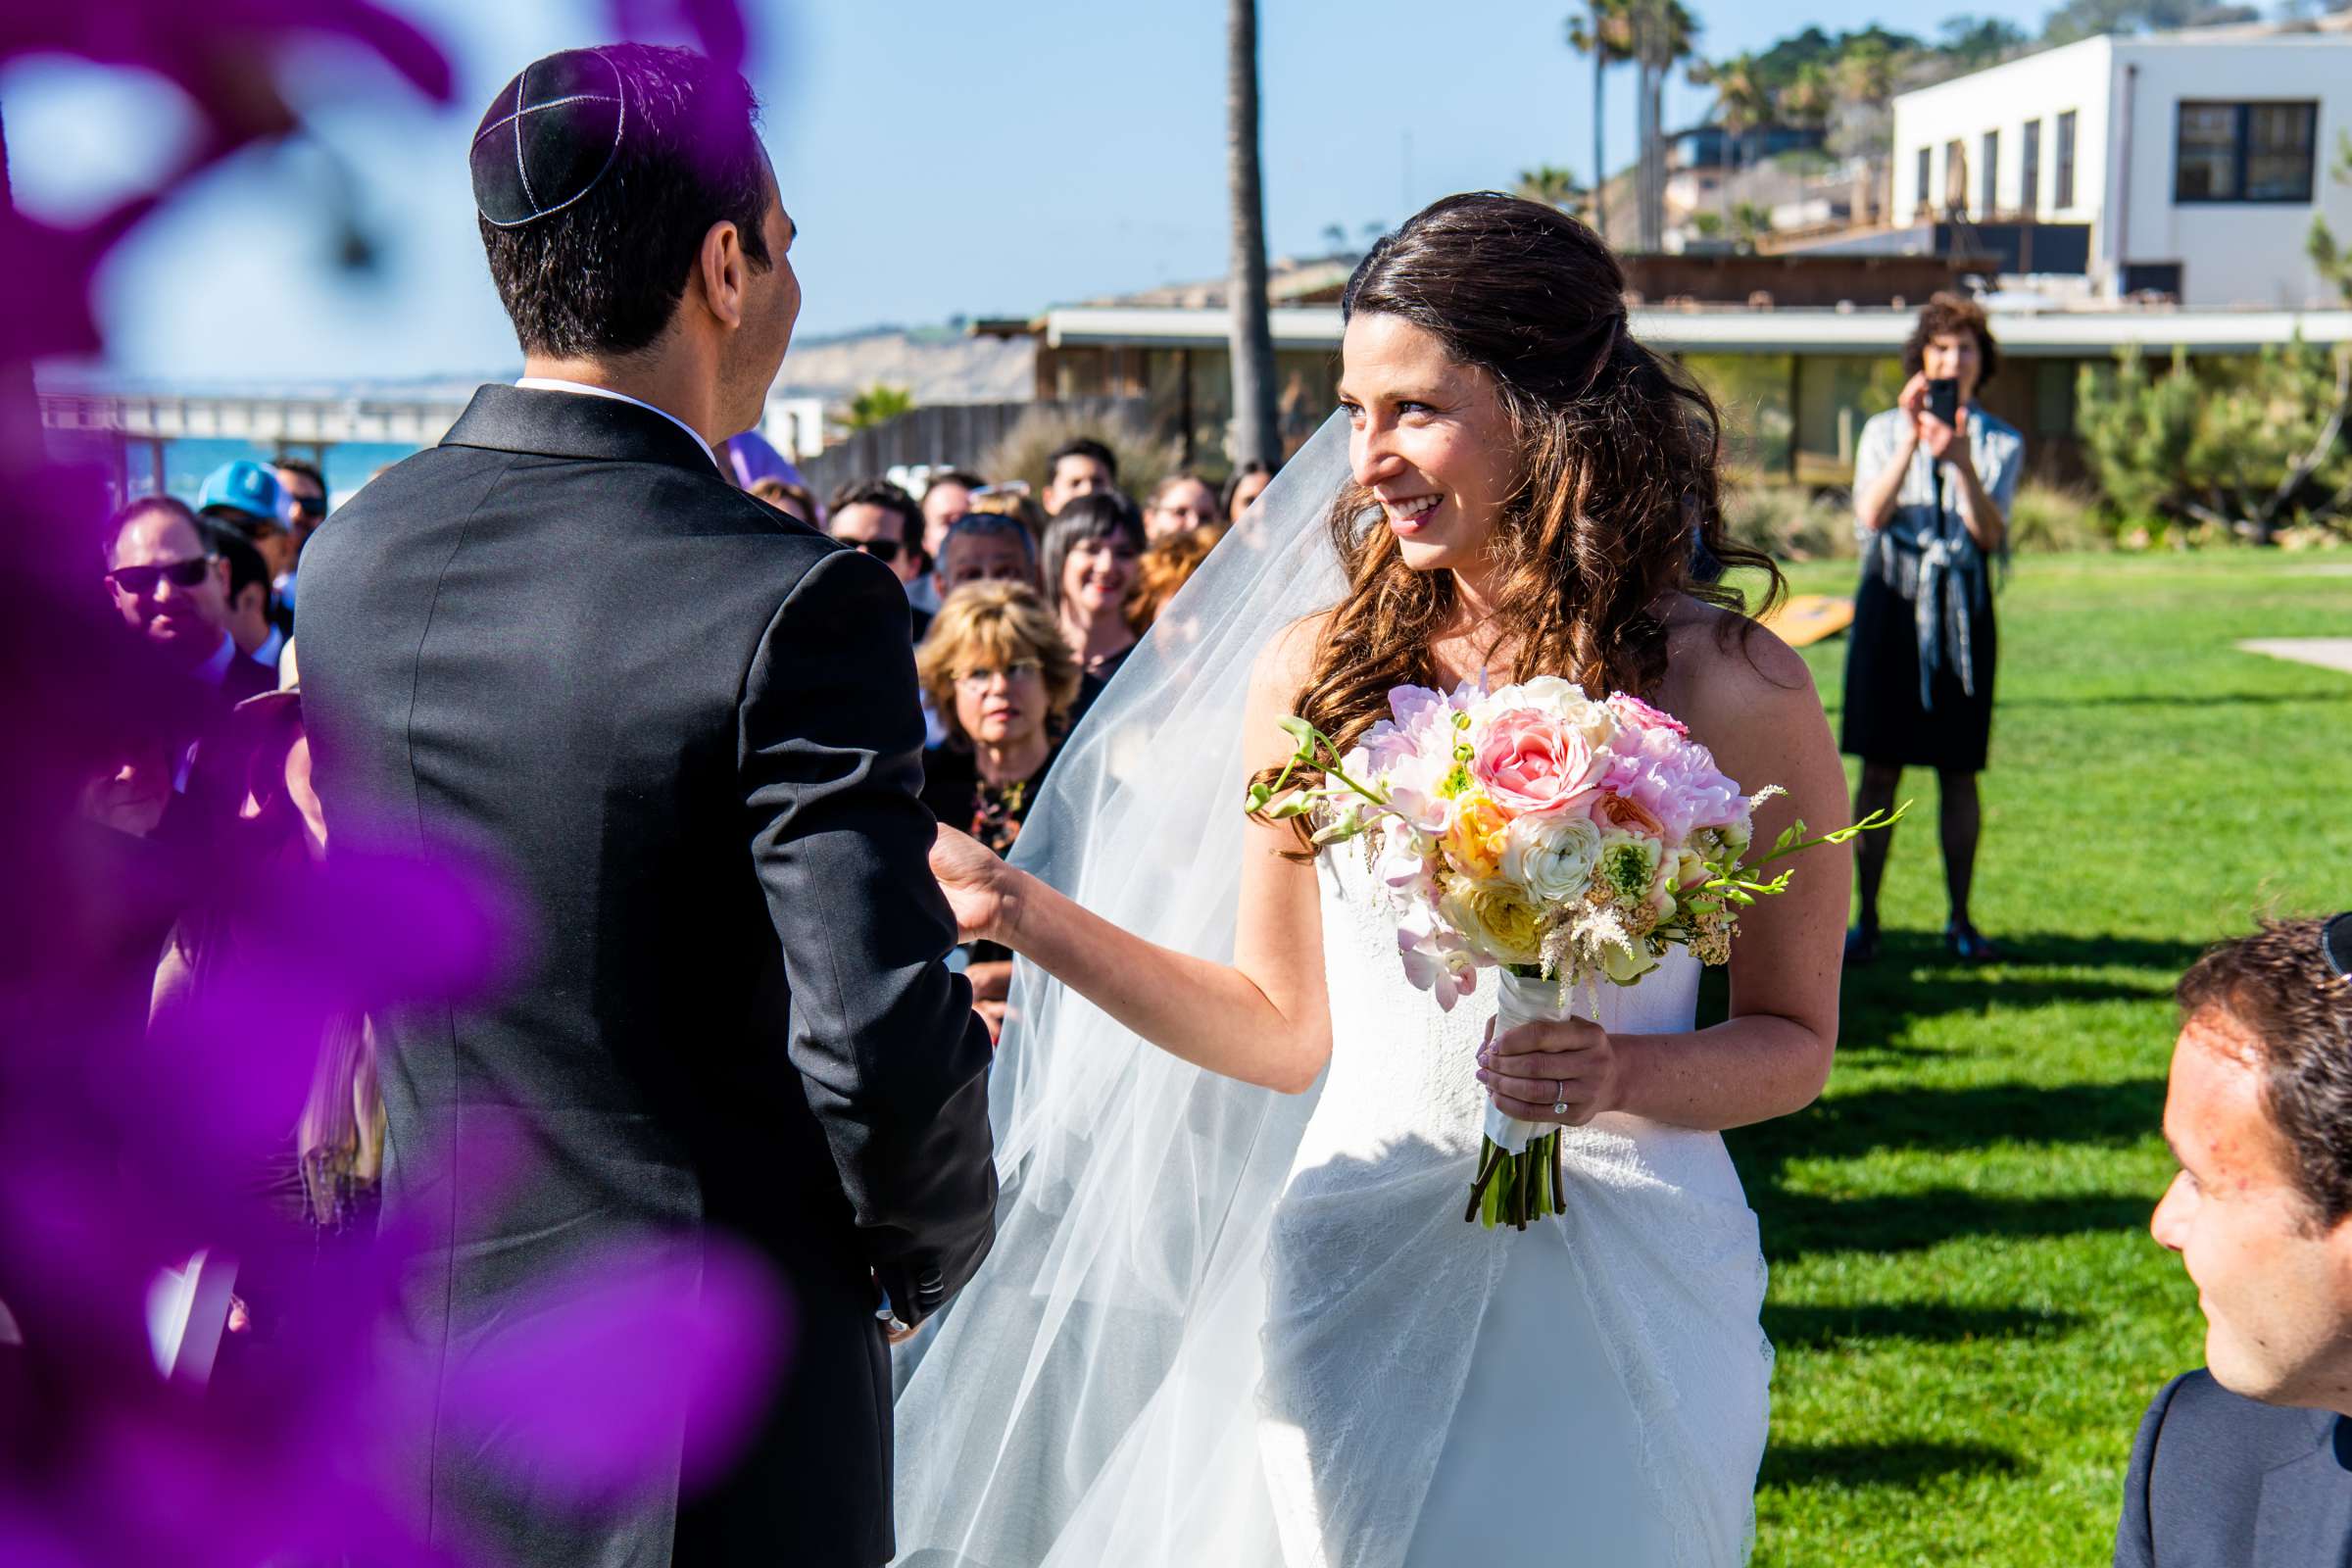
(1606, 32)
(878, 404)
(1808, 98)
(1257, 430)
(1742, 107)
(1661, 32)
(1862, 82)
(1554, 187)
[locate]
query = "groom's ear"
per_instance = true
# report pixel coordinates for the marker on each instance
(722, 272)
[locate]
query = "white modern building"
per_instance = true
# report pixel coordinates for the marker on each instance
(2197, 159)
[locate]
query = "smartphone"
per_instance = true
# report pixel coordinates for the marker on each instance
(1943, 397)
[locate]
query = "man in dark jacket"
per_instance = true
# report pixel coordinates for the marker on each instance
(2248, 1463)
(686, 727)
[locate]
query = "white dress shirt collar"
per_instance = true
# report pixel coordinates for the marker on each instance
(549, 383)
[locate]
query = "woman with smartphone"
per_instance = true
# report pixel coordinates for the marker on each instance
(1933, 477)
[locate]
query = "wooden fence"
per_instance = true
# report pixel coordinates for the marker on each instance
(944, 435)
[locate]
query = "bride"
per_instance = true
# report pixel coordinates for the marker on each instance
(1234, 1314)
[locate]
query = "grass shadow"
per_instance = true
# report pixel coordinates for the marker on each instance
(1811, 1327)
(1848, 1126)
(1800, 1225)
(1879, 1464)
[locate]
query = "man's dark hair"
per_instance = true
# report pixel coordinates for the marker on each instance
(132, 512)
(245, 564)
(2276, 986)
(890, 498)
(603, 277)
(962, 477)
(305, 469)
(1085, 446)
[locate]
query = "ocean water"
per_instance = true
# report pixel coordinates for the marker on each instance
(348, 465)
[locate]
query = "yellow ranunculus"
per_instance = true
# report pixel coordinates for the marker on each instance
(1474, 842)
(1493, 922)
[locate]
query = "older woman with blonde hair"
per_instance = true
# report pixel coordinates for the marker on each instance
(1001, 677)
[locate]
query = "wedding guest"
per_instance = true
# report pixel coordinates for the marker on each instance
(1012, 500)
(1932, 504)
(249, 498)
(1246, 483)
(1080, 466)
(1165, 567)
(257, 635)
(947, 497)
(983, 547)
(997, 670)
(2250, 1459)
(787, 496)
(306, 500)
(1089, 558)
(883, 520)
(172, 589)
(1180, 501)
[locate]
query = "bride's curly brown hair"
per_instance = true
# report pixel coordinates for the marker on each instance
(1616, 500)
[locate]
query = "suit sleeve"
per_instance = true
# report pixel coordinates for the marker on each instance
(2134, 1540)
(893, 1058)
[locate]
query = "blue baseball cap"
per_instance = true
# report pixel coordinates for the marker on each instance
(248, 487)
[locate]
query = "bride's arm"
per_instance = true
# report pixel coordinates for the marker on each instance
(1764, 723)
(1265, 1018)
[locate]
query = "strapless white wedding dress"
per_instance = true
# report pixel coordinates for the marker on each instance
(1589, 1390)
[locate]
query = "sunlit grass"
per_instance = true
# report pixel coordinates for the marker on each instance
(1969, 1311)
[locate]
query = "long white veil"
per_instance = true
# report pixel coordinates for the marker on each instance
(1088, 1398)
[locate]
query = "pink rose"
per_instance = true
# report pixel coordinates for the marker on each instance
(1673, 780)
(1636, 714)
(1528, 761)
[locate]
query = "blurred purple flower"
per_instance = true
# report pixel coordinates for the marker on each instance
(121, 1154)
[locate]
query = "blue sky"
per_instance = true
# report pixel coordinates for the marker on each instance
(941, 158)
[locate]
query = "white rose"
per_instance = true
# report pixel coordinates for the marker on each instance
(1551, 856)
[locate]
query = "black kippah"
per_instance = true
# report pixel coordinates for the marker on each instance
(548, 137)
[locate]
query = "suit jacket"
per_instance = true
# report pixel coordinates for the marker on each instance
(685, 726)
(2222, 1481)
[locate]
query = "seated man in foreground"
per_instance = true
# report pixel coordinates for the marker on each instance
(2250, 1461)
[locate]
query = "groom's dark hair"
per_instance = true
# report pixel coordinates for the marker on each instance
(602, 275)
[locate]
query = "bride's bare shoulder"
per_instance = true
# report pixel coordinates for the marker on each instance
(1289, 656)
(1725, 672)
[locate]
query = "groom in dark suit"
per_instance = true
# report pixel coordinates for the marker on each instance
(2248, 1463)
(686, 727)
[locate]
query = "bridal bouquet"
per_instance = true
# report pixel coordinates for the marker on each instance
(1565, 841)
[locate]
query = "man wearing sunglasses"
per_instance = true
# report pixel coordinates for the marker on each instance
(883, 520)
(172, 590)
(305, 502)
(2250, 1461)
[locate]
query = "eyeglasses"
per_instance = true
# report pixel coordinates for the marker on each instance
(885, 551)
(1018, 669)
(310, 505)
(2336, 945)
(141, 581)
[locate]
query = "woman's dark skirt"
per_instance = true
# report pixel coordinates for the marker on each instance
(1885, 721)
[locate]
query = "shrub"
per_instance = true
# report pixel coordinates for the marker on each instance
(1021, 453)
(2050, 518)
(1789, 523)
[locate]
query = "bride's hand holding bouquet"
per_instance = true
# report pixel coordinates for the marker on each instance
(1565, 841)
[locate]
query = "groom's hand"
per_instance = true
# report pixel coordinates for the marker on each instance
(1530, 1069)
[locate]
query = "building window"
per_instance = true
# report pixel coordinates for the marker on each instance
(2028, 169)
(2063, 176)
(2244, 152)
(1955, 178)
(1927, 168)
(1989, 176)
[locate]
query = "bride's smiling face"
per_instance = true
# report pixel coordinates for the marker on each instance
(1429, 438)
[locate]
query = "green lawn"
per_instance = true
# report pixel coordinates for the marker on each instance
(1968, 1311)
